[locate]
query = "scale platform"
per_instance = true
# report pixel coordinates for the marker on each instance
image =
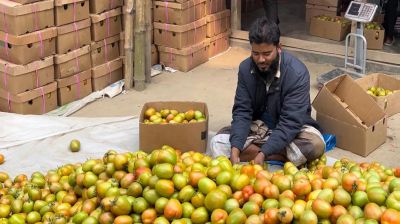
(323, 78)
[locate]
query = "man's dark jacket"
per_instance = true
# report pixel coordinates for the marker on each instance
(287, 103)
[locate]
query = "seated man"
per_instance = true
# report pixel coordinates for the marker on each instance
(272, 110)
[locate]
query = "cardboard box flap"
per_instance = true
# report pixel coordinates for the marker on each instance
(379, 80)
(71, 27)
(112, 13)
(181, 28)
(16, 70)
(343, 99)
(106, 68)
(180, 106)
(30, 37)
(101, 43)
(80, 77)
(320, 7)
(221, 35)
(63, 2)
(61, 58)
(29, 95)
(219, 15)
(17, 9)
(187, 50)
(179, 6)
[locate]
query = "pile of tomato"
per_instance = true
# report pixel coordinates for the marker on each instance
(168, 186)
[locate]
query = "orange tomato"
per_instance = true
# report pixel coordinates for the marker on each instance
(390, 216)
(271, 216)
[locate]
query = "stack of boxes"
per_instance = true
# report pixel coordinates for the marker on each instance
(180, 30)
(72, 61)
(322, 8)
(106, 16)
(218, 26)
(27, 45)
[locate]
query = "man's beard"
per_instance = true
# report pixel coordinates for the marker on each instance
(272, 68)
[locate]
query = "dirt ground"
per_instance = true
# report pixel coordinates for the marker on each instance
(214, 83)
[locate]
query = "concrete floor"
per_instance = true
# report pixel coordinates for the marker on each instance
(214, 83)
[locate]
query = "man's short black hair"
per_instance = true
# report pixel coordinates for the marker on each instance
(265, 31)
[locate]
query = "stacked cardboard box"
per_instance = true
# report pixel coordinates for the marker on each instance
(72, 62)
(218, 26)
(180, 30)
(27, 45)
(322, 8)
(334, 28)
(106, 27)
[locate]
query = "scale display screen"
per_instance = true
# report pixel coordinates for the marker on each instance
(361, 12)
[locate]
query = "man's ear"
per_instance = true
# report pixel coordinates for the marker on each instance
(279, 47)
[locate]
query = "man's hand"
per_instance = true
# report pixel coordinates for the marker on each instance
(260, 158)
(235, 152)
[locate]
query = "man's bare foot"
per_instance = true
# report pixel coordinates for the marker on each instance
(249, 153)
(259, 159)
(235, 152)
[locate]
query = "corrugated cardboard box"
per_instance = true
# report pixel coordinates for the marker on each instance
(74, 87)
(374, 38)
(105, 50)
(179, 13)
(333, 3)
(185, 137)
(107, 24)
(185, 59)
(390, 103)
(72, 62)
(154, 55)
(73, 36)
(28, 48)
(218, 23)
(24, 2)
(218, 44)
(214, 6)
(347, 111)
(329, 30)
(36, 101)
(100, 6)
(21, 78)
(17, 19)
(69, 11)
(319, 10)
(180, 36)
(106, 74)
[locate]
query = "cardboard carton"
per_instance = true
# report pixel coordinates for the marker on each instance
(374, 38)
(37, 101)
(20, 78)
(72, 62)
(218, 23)
(154, 55)
(318, 10)
(24, 2)
(106, 74)
(69, 11)
(180, 36)
(28, 48)
(214, 6)
(347, 111)
(329, 30)
(107, 24)
(100, 6)
(390, 103)
(105, 50)
(185, 137)
(185, 59)
(20, 19)
(73, 36)
(218, 44)
(179, 13)
(74, 87)
(332, 3)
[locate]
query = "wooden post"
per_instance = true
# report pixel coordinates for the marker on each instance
(128, 46)
(236, 14)
(140, 32)
(149, 34)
